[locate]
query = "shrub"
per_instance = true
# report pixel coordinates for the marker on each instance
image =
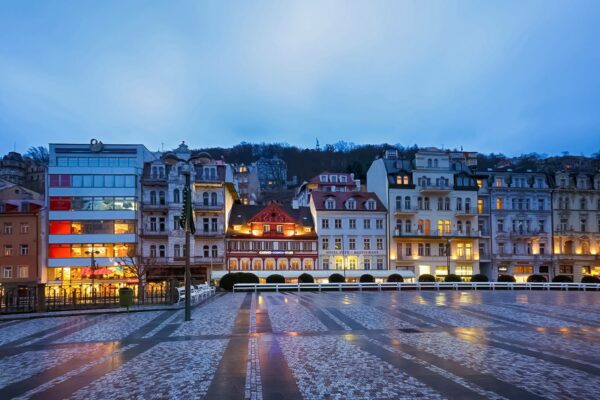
(306, 278)
(562, 278)
(536, 278)
(366, 278)
(247, 277)
(506, 278)
(426, 278)
(336, 278)
(590, 279)
(395, 278)
(227, 281)
(452, 278)
(275, 278)
(479, 278)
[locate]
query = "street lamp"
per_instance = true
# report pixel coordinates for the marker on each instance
(448, 251)
(92, 254)
(188, 225)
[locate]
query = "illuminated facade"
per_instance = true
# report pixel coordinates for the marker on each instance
(576, 209)
(521, 226)
(92, 200)
(326, 182)
(271, 239)
(162, 238)
(432, 208)
(352, 230)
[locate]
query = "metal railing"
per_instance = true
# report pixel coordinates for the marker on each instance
(255, 287)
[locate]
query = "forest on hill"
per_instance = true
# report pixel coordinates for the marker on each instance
(349, 157)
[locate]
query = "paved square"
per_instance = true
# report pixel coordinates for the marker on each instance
(351, 345)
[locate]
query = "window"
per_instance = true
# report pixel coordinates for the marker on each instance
(398, 202)
(541, 204)
(23, 271)
(161, 224)
(565, 269)
(352, 223)
(407, 202)
(421, 249)
(408, 250)
(8, 228)
(153, 197)
(176, 250)
(325, 223)
(542, 248)
(583, 225)
(352, 244)
(161, 198)
(7, 272)
(367, 263)
(407, 226)
(500, 225)
(351, 204)
(153, 251)
(24, 227)
(325, 263)
(542, 225)
(499, 203)
(330, 204)
(442, 249)
(266, 228)
(24, 249)
(367, 244)
(379, 224)
(458, 204)
(379, 243)
(367, 223)
(161, 250)
(215, 251)
(380, 263)
(8, 250)
(338, 243)
(338, 224)
(370, 205)
(325, 243)
(176, 196)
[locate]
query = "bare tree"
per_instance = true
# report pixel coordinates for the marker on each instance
(39, 155)
(139, 266)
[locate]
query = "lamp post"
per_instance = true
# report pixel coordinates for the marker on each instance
(92, 254)
(187, 223)
(448, 251)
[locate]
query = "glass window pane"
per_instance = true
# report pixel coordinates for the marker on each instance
(87, 180)
(119, 181)
(98, 181)
(102, 162)
(93, 162)
(129, 181)
(77, 181)
(109, 181)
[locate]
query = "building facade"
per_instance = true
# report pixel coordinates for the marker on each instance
(326, 182)
(521, 223)
(271, 239)
(352, 231)
(432, 211)
(576, 223)
(92, 199)
(162, 238)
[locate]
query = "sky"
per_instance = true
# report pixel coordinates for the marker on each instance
(490, 76)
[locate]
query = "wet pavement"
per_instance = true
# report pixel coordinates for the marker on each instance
(351, 345)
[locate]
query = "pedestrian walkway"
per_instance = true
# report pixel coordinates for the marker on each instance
(307, 345)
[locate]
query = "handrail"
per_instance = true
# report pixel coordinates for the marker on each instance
(417, 285)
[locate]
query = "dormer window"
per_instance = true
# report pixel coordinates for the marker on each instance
(333, 178)
(323, 178)
(402, 180)
(342, 178)
(370, 204)
(330, 204)
(351, 204)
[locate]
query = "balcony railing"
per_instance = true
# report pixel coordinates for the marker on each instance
(412, 210)
(435, 188)
(443, 233)
(200, 205)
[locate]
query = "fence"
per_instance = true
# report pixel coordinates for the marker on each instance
(255, 287)
(73, 297)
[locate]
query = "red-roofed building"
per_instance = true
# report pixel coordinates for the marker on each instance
(326, 182)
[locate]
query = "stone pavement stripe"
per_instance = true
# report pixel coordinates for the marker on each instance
(548, 315)
(441, 384)
(10, 323)
(405, 317)
(25, 385)
(278, 383)
(49, 335)
(492, 317)
(329, 323)
(485, 381)
(424, 318)
(499, 343)
(149, 326)
(345, 319)
(229, 381)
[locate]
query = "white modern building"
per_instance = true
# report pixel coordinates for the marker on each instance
(432, 211)
(352, 233)
(92, 198)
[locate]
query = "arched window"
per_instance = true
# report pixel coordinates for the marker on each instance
(161, 250)
(435, 163)
(206, 251)
(161, 198)
(440, 203)
(585, 247)
(176, 250)
(398, 202)
(429, 165)
(420, 203)
(420, 226)
(582, 203)
(213, 199)
(330, 204)
(282, 264)
(153, 197)
(447, 203)
(458, 204)
(245, 264)
(153, 251)
(205, 198)
(257, 265)
(215, 252)
(407, 202)
(176, 198)
(568, 247)
(468, 204)
(351, 204)
(426, 203)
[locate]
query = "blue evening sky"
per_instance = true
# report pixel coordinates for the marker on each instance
(501, 76)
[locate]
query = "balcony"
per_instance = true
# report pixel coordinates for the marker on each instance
(154, 179)
(203, 233)
(202, 206)
(406, 211)
(466, 213)
(154, 233)
(147, 206)
(431, 188)
(434, 233)
(521, 233)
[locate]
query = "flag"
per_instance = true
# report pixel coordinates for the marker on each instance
(187, 213)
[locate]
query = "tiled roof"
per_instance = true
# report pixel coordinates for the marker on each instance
(361, 198)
